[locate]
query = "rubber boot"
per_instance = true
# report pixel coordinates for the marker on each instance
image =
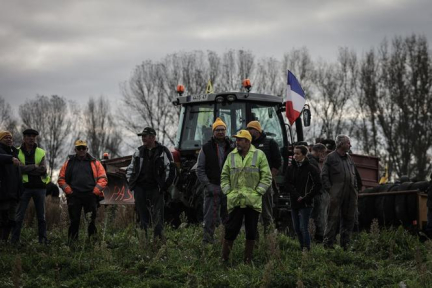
(249, 247)
(226, 249)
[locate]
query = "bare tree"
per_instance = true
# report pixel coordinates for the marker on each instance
(335, 86)
(8, 121)
(100, 130)
(52, 118)
(268, 77)
(398, 99)
(148, 101)
(236, 66)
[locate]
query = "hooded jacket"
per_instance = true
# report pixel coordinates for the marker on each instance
(244, 181)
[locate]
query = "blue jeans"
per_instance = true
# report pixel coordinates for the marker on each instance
(300, 218)
(38, 196)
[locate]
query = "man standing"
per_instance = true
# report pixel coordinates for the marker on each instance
(320, 201)
(210, 162)
(34, 178)
(83, 180)
(339, 178)
(149, 175)
(10, 184)
(271, 150)
(245, 178)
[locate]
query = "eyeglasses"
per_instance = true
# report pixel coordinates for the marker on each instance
(220, 130)
(81, 148)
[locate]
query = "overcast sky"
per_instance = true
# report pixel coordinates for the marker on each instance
(79, 49)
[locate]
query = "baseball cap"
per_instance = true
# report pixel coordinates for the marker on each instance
(80, 143)
(147, 131)
(243, 134)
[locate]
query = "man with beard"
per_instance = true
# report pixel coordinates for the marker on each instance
(83, 180)
(245, 178)
(210, 162)
(10, 184)
(271, 150)
(34, 178)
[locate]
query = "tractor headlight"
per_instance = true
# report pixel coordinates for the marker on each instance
(231, 97)
(219, 99)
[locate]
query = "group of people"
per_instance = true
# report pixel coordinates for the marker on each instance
(24, 177)
(239, 180)
(239, 183)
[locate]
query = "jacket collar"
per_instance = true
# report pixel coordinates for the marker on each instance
(88, 157)
(260, 138)
(252, 149)
(9, 149)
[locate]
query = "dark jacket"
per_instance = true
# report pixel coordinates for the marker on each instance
(270, 149)
(11, 186)
(302, 181)
(314, 161)
(208, 169)
(97, 180)
(163, 165)
(334, 174)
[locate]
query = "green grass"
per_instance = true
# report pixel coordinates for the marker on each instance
(120, 256)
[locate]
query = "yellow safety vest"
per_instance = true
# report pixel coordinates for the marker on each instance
(39, 155)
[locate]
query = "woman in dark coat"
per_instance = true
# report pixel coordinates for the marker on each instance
(302, 182)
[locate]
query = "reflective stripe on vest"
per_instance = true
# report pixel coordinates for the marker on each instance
(246, 169)
(39, 155)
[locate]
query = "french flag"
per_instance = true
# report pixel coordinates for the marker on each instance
(295, 98)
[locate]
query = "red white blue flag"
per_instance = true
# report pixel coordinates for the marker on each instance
(295, 98)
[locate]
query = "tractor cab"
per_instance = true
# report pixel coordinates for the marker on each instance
(198, 113)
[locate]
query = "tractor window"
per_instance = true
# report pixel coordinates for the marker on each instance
(197, 125)
(269, 121)
(234, 116)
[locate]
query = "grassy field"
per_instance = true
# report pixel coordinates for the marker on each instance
(120, 256)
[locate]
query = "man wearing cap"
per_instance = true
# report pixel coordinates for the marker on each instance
(245, 178)
(271, 150)
(10, 184)
(83, 180)
(210, 162)
(34, 178)
(149, 175)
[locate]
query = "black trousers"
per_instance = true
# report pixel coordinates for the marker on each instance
(8, 209)
(235, 221)
(76, 203)
(149, 204)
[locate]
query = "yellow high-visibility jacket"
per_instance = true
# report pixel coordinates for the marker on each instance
(244, 181)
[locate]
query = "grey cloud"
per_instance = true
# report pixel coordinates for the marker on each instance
(79, 49)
